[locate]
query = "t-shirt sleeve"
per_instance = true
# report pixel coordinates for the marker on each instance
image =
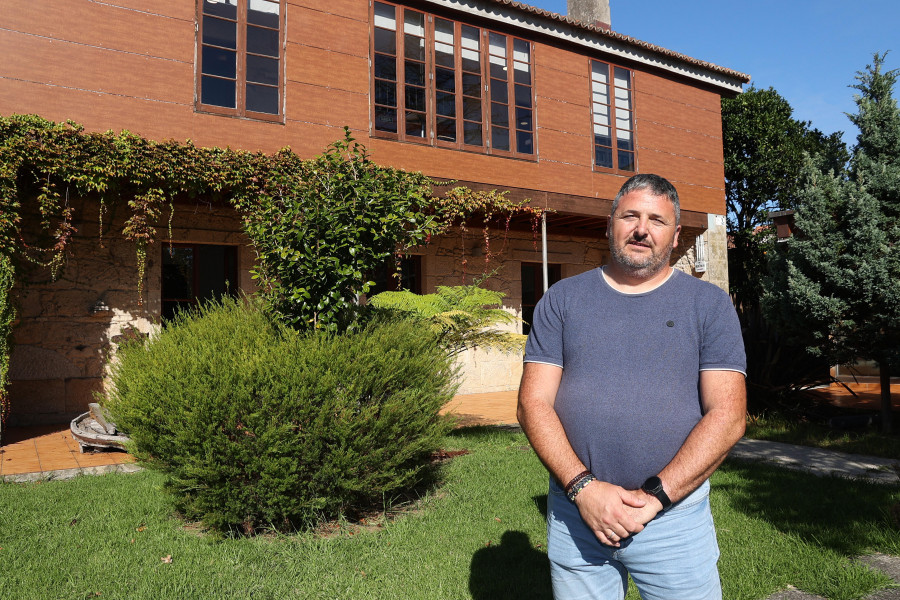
(722, 348)
(545, 340)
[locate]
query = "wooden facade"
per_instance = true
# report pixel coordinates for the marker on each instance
(128, 65)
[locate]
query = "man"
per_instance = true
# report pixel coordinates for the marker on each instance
(632, 394)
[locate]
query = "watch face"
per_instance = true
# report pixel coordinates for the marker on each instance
(653, 485)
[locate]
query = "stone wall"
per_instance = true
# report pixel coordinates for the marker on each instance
(67, 329)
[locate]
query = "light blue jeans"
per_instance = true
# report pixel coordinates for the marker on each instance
(673, 558)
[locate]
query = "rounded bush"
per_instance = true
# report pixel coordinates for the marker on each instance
(258, 426)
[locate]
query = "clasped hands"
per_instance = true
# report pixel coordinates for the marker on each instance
(614, 513)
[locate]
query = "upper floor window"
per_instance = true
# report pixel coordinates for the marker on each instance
(613, 116)
(450, 84)
(240, 70)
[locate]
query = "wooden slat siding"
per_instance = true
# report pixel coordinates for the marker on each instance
(352, 9)
(328, 31)
(96, 70)
(671, 112)
(565, 147)
(328, 69)
(670, 146)
(329, 106)
(152, 29)
(654, 83)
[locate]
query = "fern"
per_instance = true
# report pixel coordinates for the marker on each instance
(464, 316)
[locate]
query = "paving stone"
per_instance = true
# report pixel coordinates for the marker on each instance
(884, 562)
(793, 593)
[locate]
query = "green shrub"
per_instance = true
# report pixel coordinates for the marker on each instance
(258, 426)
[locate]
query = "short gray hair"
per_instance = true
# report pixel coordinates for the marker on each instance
(658, 186)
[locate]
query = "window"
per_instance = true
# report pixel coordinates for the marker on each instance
(195, 272)
(410, 278)
(444, 83)
(533, 288)
(240, 69)
(613, 116)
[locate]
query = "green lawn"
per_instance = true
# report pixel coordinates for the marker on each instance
(479, 536)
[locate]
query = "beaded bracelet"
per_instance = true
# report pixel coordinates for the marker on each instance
(575, 480)
(578, 486)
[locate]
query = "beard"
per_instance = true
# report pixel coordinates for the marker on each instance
(641, 267)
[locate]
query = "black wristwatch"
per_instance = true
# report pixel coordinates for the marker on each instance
(654, 487)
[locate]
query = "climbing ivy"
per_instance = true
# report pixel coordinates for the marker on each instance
(318, 225)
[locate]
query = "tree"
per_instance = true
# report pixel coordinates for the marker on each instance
(837, 287)
(764, 147)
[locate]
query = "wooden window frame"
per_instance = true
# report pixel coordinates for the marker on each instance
(431, 92)
(240, 110)
(232, 269)
(614, 138)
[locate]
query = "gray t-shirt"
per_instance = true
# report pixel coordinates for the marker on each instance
(631, 363)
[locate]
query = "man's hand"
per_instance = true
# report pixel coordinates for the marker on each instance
(611, 512)
(648, 512)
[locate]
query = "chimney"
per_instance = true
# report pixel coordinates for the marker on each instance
(590, 12)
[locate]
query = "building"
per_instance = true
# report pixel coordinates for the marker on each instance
(492, 93)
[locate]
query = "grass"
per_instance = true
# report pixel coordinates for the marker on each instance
(481, 535)
(869, 441)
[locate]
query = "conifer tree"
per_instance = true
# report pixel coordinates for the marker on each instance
(837, 286)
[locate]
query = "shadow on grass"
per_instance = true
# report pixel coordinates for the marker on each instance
(510, 571)
(847, 516)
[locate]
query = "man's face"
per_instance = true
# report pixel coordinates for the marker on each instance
(642, 233)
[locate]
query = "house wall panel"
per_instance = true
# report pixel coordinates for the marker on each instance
(351, 9)
(328, 69)
(164, 29)
(99, 70)
(328, 31)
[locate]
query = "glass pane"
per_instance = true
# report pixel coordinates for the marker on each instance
(178, 273)
(471, 61)
(624, 141)
(444, 80)
(601, 114)
(385, 93)
(603, 156)
(262, 41)
(471, 37)
(446, 104)
(385, 16)
(219, 32)
(217, 92)
(499, 91)
(415, 47)
(601, 95)
(471, 84)
(522, 73)
(472, 133)
(415, 98)
(445, 129)
(263, 12)
(385, 67)
(500, 138)
(262, 70)
(443, 42)
(626, 161)
(414, 23)
(524, 119)
(521, 50)
(499, 114)
(623, 77)
(623, 99)
(415, 124)
(221, 8)
(472, 109)
(415, 73)
(523, 96)
(602, 136)
(599, 72)
(219, 62)
(443, 55)
(623, 122)
(262, 98)
(498, 67)
(385, 119)
(498, 44)
(524, 142)
(385, 41)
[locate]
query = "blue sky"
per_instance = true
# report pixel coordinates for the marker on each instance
(808, 50)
